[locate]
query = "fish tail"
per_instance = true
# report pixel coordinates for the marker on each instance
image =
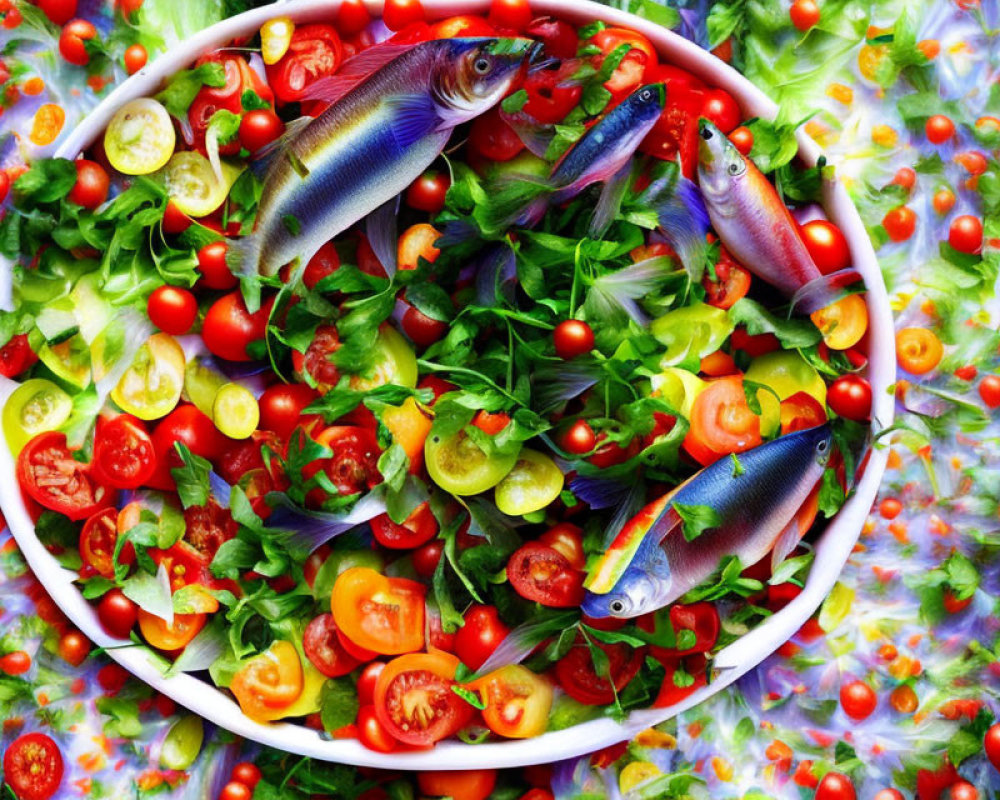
(243, 254)
(823, 291)
(684, 220)
(518, 202)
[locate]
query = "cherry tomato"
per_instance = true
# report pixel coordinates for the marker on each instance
(52, 477)
(461, 26)
(207, 528)
(123, 453)
(850, 396)
(281, 407)
(721, 109)
(367, 680)
(458, 784)
(491, 137)
(611, 453)
(59, 12)
(742, 139)
(384, 615)
(989, 390)
(702, 619)
(835, 786)
(324, 650)
(135, 58)
(425, 559)
(889, 794)
(670, 693)
(414, 700)
(479, 636)
(353, 466)
(491, 423)
(174, 220)
(427, 193)
(117, 613)
(229, 328)
(991, 744)
(804, 13)
(579, 438)
(576, 673)
(567, 540)
(721, 422)
(631, 70)
(732, 284)
(900, 223)
(33, 767)
(16, 356)
(676, 131)
(514, 15)
(918, 350)
(417, 529)
(550, 95)
(15, 663)
(939, 129)
(372, 733)
(269, 682)
(170, 637)
(799, 412)
(572, 338)
(235, 790)
(966, 234)
(963, 790)
(316, 360)
(246, 773)
(352, 17)
(557, 36)
(72, 41)
(314, 52)
(215, 274)
(422, 330)
(187, 425)
(858, 700)
(259, 128)
(542, 574)
(172, 309)
(827, 245)
(74, 648)
(91, 187)
(943, 201)
(398, 14)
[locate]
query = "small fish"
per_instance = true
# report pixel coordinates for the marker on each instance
(601, 155)
(683, 219)
(650, 564)
(380, 132)
(755, 225)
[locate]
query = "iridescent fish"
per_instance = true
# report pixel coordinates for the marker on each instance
(755, 225)
(601, 155)
(763, 509)
(392, 112)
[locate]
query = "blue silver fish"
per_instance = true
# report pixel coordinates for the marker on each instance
(650, 564)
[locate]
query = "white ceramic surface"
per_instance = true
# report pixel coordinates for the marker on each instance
(832, 550)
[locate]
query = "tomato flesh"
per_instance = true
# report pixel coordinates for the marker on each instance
(576, 673)
(545, 575)
(414, 700)
(384, 615)
(51, 476)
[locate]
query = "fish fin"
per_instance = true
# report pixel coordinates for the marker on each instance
(457, 231)
(823, 291)
(415, 115)
(263, 158)
(520, 642)
(515, 203)
(684, 220)
(657, 519)
(352, 72)
(797, 527)
(610, 201)
(380, 228)
(533, 134)
(243, 254)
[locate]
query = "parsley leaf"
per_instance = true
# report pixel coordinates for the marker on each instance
(697, 519)
(191, 477)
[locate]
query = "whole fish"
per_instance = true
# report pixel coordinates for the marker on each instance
(650, 564)
(600, 156)
(373, 141)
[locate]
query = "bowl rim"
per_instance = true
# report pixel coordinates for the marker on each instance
(832, 549)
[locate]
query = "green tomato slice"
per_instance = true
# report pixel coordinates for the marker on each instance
(458, 465)
(235, 411)
(395, 363)
(533, 483)
(69, 360)
(36, 406)
(151, 386)
(201, 385)
(193, 185)
(691, 333)
(182, 743)
(140, 137)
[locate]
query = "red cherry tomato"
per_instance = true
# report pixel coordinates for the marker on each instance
(417, 529)
(16, 356)
(246, 773)
(701, 619)
(59, 12)
(670, 692)
(827, 245)
(966, 234)
(427, 193)
(835, 786)
(858, 700)
(422, 330)
(399, 14)
(281, 407)
(33, 767)
(123, 453)
(900, 223)
(544, 575)
(187, 425)
(324, 649)
(579, 679)
(425, 559)
(372, 733)
(234, 790)
(91, 187)
(481, 634)
(991, 744)
(352, 17)
(579, 438)
(135, 58)
(732, 282)
(742, 139)
(229, 328)
(939, 129)
(514, 15)
(804, 14)
(314, 52)
(52, 477)
(989, 390)
(367, 680)
(117, 613)
(316, 359)
(676, 131)
(172, 309)
(557, 37)
(720, 107)
(850, 396)
(72, 41)
(174, 220)
(472, 784)
(15, 663)
(572, 338)
(353, 466)
(259, 128)
(550, 96)
(491, 137)
(215, 274)
(963, 790)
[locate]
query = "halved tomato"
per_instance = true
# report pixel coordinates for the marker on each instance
(577, 675)
(721, 422)
(385, 615)
(801, 411)
(517, 701)
(170, 637)
(543, 574)
(324, 649)
(417, 529)
(97, 543)
(51, 476)
(269, 683)
(123, 452)
(414, 698)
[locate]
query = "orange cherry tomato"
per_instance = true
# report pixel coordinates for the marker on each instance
(170, 637)
(269, 682)
(918, 350)
(384, 615)
(801, 411)
(417, 242)
(517, 701)
(473, 784)
(742, 139)
(721, 422)
(842, 323)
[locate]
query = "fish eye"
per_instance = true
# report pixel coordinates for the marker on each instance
(646, 94)
(617, 606)
(823, 446)
(706, 133)
(481, 65)
(734, 169)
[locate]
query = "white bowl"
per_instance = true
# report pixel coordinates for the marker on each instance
(832, 549)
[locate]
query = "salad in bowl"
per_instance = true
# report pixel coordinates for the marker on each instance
(421, 379)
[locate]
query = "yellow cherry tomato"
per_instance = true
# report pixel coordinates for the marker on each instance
(842, 323)
(151, 386)
(275, 36)
(140, 137)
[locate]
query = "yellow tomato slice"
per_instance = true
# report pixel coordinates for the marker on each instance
(193, 185)
(151, 386)
(235, 411)
(140, 137)
(533, 483)
(266, 685)
(275, 36)
(842, 323)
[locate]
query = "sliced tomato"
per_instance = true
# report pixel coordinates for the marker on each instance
(676, 131)
(517, 701)
(414, 698)
(353, 466)
(33, 767)
(123, 452)
(52, 477)
(315, 361)
(732, 282)
(323, 648)
(417, 529)
(207, 527)
(567, 539)
(702, 619)
(314, 52)
(578, 677)
(185, 566)
(550, 95)
(97, 543)
(801, 411)
(721, 422)
(269, 683)
(385, 615)
(173, 636)
(543, 574)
